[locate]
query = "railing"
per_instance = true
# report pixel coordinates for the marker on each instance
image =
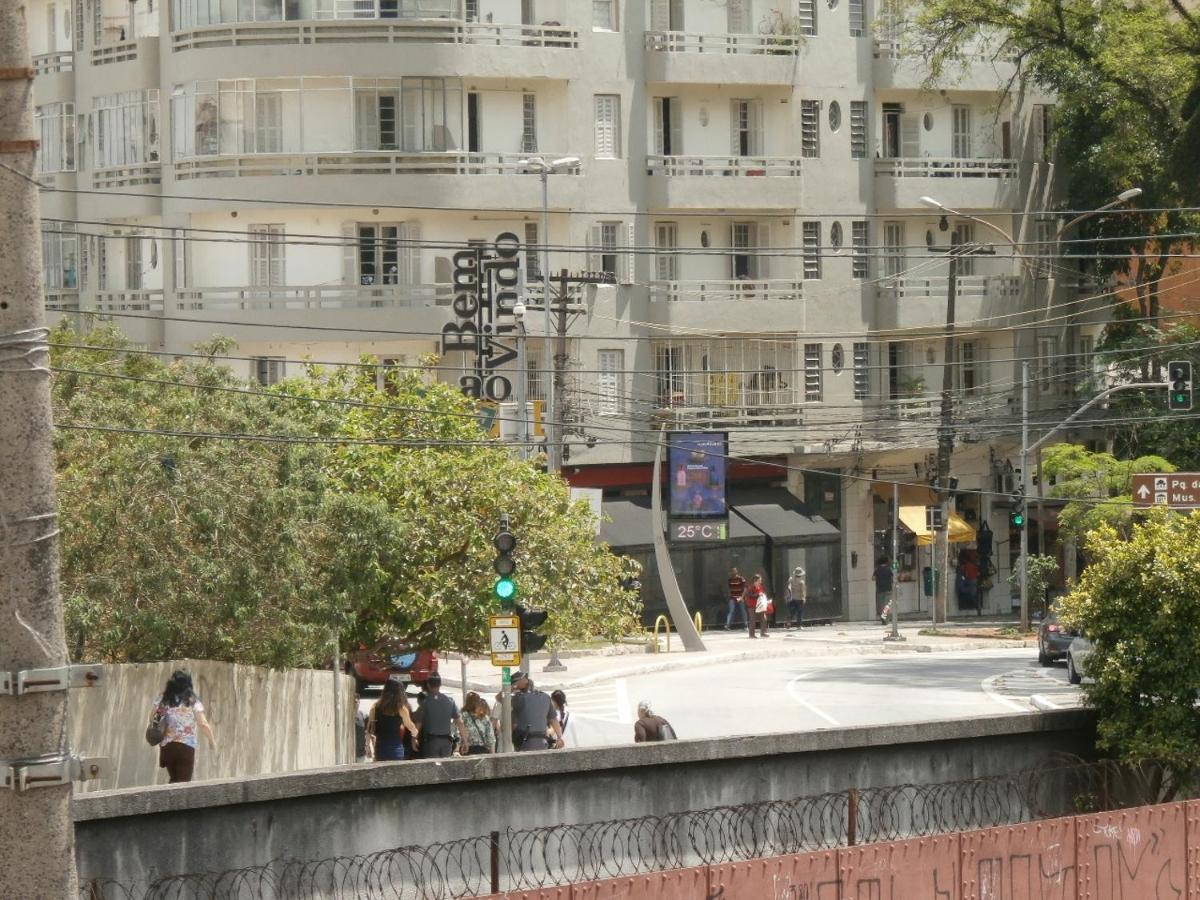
(747, 289)
(314, 297)
(892, 47)
(694, 42)
(375, 31)
(723, 165)
(51, 63)
(966, 407)
(542, 859)
(945, 167)
(356, 163)
(129, 301)
(128, 176)
(125, 51)
(991, 286)
(65, 299)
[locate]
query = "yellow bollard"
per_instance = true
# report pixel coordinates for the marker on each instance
(667, 625)
(699, 620)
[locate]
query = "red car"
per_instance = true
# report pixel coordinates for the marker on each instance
(390, 658)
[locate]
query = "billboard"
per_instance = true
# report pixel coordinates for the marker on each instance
(697, 474)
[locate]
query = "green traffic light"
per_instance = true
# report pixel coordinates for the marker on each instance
(505, 588)
(1018, 520)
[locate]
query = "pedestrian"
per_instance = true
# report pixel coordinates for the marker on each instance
(477, 721)
(566, 722)
(534, 717)
(360, 735)
(757, 605)
(737, 591)
(390, 720)
(883, 587)
(650, 727)
(797, 596)
(180, 712)
(437, 719)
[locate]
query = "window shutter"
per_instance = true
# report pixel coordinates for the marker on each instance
(910, 136)
(762, 261)
(755, 125)
(409, 252)
(627, 257)
(736, 21)
(595, 243)
(735, 122)
(349, 253)
(610, 362)
(676, 113)
(660, 15)
(659, 125)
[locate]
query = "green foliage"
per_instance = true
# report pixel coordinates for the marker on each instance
(1102, 483)
(1042, 570)
(1139, 603)
(257, 551)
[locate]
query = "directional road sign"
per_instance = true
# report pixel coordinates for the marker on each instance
(1179, 490)
(504, 636)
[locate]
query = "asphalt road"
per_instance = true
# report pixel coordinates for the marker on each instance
(806, 694)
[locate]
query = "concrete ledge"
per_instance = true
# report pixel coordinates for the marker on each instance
(114, 804)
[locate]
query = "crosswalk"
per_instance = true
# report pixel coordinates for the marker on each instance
(606, 701)
(1024, 689)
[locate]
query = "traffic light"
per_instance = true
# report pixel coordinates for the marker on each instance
(1016, 518)
(1179, 385)
(505, 564)
(531, 621)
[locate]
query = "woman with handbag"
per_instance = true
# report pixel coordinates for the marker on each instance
(477, 720)
(388, 723)
(173, 723)
(758, 606)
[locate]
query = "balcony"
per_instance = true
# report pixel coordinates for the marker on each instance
(62, 299)
(986, 183)
(921, 302)
(721, 181)
(718, 290)
(128, 176)
(128, 300)
(374, 31)
(53, 63)
(122, 51)
(308, 298)
(356, 163)
(689, 57)
(899, 68)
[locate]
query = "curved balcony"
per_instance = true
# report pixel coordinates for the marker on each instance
(987, 183)
(688, 57)
(723, 181)
(53, 63)
(898, 68)
(128, 176)
(921, 302)
(748, 289)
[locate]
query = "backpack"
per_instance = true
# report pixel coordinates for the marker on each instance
(666, 732)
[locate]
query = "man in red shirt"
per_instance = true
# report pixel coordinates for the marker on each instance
(737, 588)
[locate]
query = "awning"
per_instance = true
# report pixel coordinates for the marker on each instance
(781, 524)
(631, 525)
(913, 518)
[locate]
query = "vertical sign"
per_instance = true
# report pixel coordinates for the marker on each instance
(697, 474)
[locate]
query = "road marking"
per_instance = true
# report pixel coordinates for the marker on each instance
(988, 685)
(791, 689)
(624, 714)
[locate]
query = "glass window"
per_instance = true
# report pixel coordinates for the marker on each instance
(267, 249)
(859, 261)
(604, 15)
(858, 129)
(56, 131)
(811, 243)
(810, 128)
(813, 389)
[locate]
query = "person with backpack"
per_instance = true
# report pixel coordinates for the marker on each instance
(650, 727)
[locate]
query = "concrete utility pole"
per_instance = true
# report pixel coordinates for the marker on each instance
(945, 446)
(37, 852)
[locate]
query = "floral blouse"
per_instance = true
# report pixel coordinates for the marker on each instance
(179, 722)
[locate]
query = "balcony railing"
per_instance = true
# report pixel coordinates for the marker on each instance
(892, 47)
(125, 51)
(51, 63)
(314, 297)
(990, 286)
(129, 301)
(945, 167)
(737, 289)
(375, 31)
(352, 163)
(694, 42)
(723, 165)
(65, 299)
(128, 176)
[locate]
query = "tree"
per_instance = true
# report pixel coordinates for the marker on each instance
(1042, 569)
(1139, 604)
(1100, 485)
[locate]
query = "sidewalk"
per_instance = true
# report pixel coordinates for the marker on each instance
(585, 667)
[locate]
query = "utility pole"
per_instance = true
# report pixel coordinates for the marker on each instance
(945, 445)
(37, 847)
(894, 634)
(1024, 560)
(553, 424)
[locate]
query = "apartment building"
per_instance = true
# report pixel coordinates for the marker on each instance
(747, 176)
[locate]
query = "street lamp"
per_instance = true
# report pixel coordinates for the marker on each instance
(544, 169)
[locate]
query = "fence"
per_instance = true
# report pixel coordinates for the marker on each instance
(560, 855)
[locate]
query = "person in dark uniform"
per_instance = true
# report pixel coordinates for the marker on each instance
(533, 713)
(437, 719)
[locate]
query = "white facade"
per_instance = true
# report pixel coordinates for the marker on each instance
(299, 173)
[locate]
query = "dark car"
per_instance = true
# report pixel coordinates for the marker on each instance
(1053, 640)
(393, 658)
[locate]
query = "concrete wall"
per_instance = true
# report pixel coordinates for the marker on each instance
(221, 825)
(265, 721)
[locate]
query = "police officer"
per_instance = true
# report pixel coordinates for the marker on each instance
(533, 713)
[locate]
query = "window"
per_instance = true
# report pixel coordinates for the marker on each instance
(893, 113)
(604, 15)
(268, 122)
(604, 255)
(533, 256)
(666, 15)
(812, 373)
(811, 242)
(431, 114)
(56, 130)
(810, 128)
(1043, 131)
(60, 258)
(474, 122)
(745, 137)
(808, 17)
(860, 266)
(893, 249)
(835, 235)
(529, 141)
(1043, 248)
(388, 254)
(745, 240)
(376, 118)
(835, 116)
(858, 23)
(267, 245)
(960, 143)
(899, 384)
(608, 126)
(968, 372)
(837, 359)
(134, 267)
(268, 370)
(666, 259)
(737, 17)
(668, 127)
(1047, 363)
(862, 370)
(611, 365)
(962, 236)
(668, 376)
(858, 129)
(126, 129)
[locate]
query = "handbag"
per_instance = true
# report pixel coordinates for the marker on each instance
(156, 731)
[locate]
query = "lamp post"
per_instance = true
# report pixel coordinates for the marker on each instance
(544, 169)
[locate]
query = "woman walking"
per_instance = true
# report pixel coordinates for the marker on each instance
(388, 723)
(180, 712)
(757, 606)
(477, 719)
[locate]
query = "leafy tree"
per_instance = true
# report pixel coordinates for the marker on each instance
(1101, 484)
(1042, 569)
(1139, 603)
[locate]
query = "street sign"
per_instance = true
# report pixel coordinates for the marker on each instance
(504, 638)
(933, 518)
(1178, 490)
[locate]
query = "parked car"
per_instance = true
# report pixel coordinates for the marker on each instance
(391, 658)
(1077, 655)
(1053, 640)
